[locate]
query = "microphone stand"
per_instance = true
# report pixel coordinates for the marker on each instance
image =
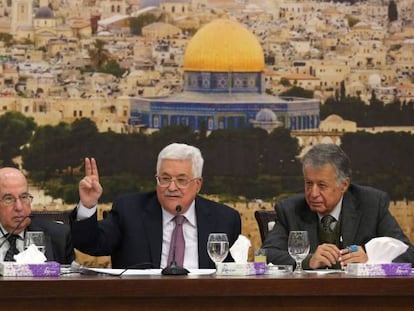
(7, 236)
(173, 268)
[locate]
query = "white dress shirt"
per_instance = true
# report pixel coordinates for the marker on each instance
(168, 223)
(190, 237)
(4, 248)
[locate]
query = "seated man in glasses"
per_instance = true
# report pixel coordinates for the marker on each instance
(16, 220)
(137, 232)
(339, 216)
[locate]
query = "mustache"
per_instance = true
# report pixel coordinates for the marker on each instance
(174, 193)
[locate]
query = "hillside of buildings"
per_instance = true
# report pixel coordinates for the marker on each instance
(62, 60)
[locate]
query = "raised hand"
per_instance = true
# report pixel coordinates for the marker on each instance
(90, 190)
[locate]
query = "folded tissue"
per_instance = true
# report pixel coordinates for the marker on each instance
(30, 262)
(240, 249)
(30, 255)
(381, 252)
(240, 253)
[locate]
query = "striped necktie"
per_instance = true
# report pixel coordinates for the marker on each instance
(12, 249)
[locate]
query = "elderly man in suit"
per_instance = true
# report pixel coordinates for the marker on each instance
(16, 220)
(137, 231)
(335, 213)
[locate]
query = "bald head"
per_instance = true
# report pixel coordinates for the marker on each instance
(11, 175)
(13, 213)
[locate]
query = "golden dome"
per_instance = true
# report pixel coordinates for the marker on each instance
(224, 45)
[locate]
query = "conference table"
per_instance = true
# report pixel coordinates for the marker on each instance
(312, 291)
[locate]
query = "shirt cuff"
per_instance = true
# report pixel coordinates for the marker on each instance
(84, 212)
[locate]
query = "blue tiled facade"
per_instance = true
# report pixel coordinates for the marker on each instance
(296, 114)
(221, 100)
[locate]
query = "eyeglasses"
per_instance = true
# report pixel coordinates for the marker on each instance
(180, 182)
(25, 198)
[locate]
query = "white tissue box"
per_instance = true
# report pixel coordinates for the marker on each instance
(234, 268)
(10, 268)
(384, 269)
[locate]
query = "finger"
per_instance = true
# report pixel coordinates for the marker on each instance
(319, 260)
(85, 183)
(94, 168)
(88, 168)
(330, 257)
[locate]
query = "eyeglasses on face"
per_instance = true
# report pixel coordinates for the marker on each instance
(25, 199)
(180, 182)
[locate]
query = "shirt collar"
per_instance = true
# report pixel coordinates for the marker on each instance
(336, 212)
(4, 233)
(189, 215)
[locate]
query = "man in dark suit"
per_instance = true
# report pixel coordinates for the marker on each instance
(137, 231)
(357, 215)
(15, 207)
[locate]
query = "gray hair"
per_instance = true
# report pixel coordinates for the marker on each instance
(177, 151)
(323, 154)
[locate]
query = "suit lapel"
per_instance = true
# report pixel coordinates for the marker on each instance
(205, 225)
(153, 226)
(351, 216)
(310, 224)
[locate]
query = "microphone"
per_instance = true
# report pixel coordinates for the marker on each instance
(173, 268)
(14, 229)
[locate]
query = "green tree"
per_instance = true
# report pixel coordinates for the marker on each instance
(81, 142)
(137, 23)
(279, 154)
(112, 67)
(6, 38)
(342, 90)
(392, 11)
(98, 54)
(15, 131)
(48, 151)
(284, 81)
(352, 21)
(297, 91)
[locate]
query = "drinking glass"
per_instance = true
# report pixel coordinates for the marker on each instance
(298, 248)
(35, 237)
(217, 246)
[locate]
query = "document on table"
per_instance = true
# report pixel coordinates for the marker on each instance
(136, 272)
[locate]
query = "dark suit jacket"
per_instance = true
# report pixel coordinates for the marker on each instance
(132, 231)
(365, 215)
(58, 240)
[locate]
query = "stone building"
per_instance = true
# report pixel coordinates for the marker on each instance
(223, 87)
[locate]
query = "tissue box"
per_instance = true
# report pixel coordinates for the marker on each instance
(233, 268)
(384, 269)
(50, 268)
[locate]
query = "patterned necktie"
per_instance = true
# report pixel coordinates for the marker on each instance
(177, 243)
(328, 223)
(12, 249)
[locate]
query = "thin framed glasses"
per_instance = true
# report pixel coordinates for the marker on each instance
(8, 199)
(180, 182)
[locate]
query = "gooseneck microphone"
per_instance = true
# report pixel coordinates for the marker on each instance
(8, 236)
(173, 268)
